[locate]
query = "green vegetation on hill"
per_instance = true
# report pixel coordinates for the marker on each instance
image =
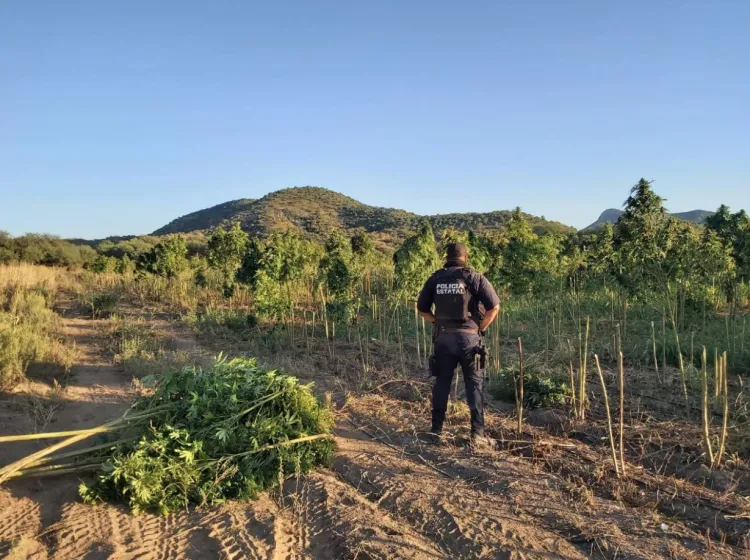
(208, 218)
(313, 212)
(611, 215)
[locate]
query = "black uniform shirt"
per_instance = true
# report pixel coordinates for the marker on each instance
(483, 296)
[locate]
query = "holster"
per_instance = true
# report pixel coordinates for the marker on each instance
(482, 353)
(481, 358)
(433, 365)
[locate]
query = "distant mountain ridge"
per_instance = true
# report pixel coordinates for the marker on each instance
(314, 212)
(611, 215)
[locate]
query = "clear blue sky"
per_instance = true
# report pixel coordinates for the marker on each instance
(118, 116)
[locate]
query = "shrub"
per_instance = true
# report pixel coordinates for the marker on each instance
(29, 332)
(217, 321)
(539, 391)
(103, 305)
(168, 258)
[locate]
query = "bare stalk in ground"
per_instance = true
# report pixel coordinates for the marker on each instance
(572, 390)
(705, 416)
(519, 386)
(725, 419)
(717, 373)
(584, 366)
(416, 324)
(621, 369)
(656, 361)
(609, 415)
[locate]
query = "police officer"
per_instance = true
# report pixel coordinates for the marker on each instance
(465, 304)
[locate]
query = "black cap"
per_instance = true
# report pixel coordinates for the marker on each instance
(456, 252)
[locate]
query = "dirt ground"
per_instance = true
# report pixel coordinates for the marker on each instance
(543, 494)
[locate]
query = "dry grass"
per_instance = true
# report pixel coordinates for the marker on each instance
(30, 330)
(29, 276)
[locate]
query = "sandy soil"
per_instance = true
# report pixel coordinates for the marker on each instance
(388, 495)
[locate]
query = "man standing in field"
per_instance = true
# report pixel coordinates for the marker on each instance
(465, 304)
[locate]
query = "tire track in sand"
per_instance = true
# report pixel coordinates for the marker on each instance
(463, 520)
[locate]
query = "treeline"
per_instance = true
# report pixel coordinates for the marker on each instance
(44, 249)
(646, 254)
(102, 255)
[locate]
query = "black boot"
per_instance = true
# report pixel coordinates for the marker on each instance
(434, 436)
(480, 441)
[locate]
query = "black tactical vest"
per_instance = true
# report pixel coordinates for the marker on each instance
(453, 298)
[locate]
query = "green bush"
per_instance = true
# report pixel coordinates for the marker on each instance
(216, 320)
(539, 390)
(103, 305)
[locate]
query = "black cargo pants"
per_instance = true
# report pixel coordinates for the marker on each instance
(452, 349)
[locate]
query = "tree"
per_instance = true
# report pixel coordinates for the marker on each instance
(168, 258)
(715, 264)
(722, 223)
(363, 249)
(7, 252)
(226, 249)
(416, 260)
(363, 253)
(637, 235)
(741, 244)
(602, 254)
(270, 267)
(734, 232)
(104, 263)
(339, 274)
(484, 254)
(252, 261)
(126, 265)
(529, 261)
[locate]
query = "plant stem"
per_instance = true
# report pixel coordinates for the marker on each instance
(519, 386)
(704, 408)
(656, 361)
(725, 419)
(572, 390)
(621, 368)
(609, 415)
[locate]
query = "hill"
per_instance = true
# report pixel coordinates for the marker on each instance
(613, 214)
(315, 211)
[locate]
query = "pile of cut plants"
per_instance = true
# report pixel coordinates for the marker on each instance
(196, 437)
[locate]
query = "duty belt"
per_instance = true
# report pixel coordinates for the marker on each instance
(449, 330)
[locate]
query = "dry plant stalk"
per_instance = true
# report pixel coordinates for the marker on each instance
(725, 420)
(32, 460)
(609, 415)
(416, 324)
(546, 338)
(705, 416)
(519, 386)
(621, 369)
(49, 435)
(584, 365)
(656, 361)
(717, 373)
(664, 341)
(572, 390)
